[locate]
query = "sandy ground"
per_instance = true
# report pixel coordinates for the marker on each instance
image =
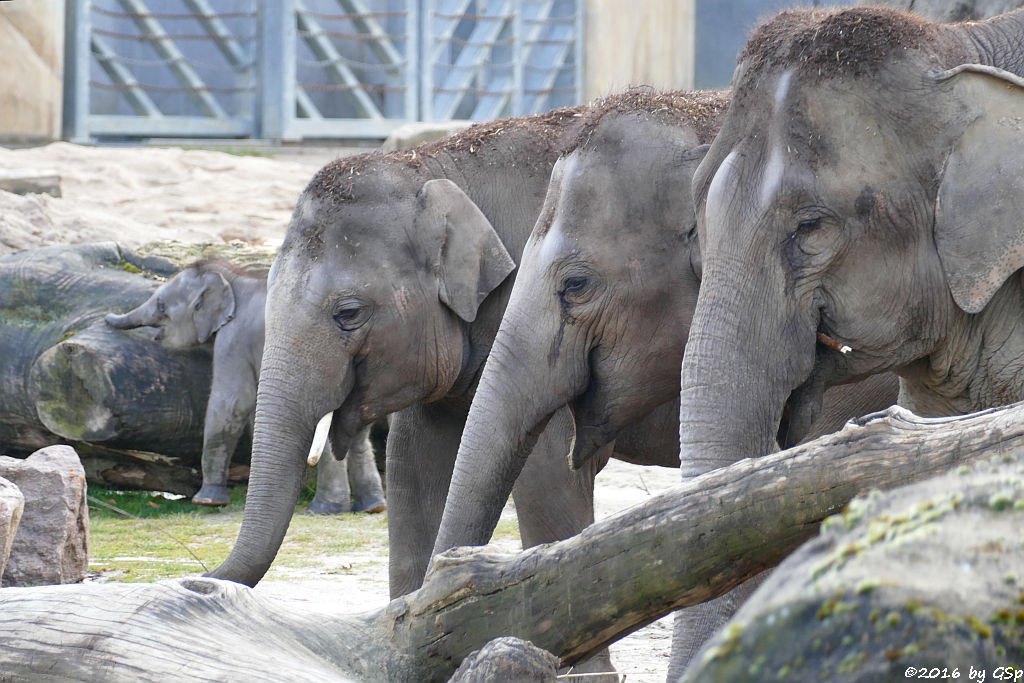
(138, 195)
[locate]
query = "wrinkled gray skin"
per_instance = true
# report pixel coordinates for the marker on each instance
(883, 209)
(213, 300)
(598, 319)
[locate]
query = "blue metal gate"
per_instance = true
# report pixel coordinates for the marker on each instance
(301, 69)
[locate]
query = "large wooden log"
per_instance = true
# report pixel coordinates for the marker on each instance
(572, 598)
(119, 396)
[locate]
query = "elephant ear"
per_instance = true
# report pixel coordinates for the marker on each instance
(470, 260)
(213, 306)
(979, 211)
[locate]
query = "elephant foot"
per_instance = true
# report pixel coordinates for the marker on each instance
(212, 496)
(371, 505)
(597, 669)
(320, 506)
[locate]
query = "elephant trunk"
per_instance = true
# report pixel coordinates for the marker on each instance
(282, 435)
(737, 373)
(516, 397)
(137, 317)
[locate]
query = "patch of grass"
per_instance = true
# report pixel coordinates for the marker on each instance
(173, 538)
(234, 151)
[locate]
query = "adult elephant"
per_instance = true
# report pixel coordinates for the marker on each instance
(867, 188)
(599, 315)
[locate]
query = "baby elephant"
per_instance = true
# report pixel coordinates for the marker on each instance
(215, 299)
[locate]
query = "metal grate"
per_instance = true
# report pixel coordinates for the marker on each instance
(293, 69)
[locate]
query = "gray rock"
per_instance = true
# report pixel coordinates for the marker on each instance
(52, 542)
(507, 659)
(12, 503)
(927, 576)
(412, 134)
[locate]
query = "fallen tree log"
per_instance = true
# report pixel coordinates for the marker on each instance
(119, 396)
(572, 598)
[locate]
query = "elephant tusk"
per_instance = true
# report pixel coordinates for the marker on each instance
(833, 344)
(323, 429)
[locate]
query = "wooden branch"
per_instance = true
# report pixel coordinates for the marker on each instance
(572, 598)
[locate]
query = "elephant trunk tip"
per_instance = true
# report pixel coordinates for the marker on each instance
(117, 321)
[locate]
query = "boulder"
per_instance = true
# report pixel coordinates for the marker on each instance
(412, 134)
(921, 579)
(508, 659)
(11, 505)
(52, 542)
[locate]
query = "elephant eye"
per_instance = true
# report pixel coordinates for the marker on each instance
(574, 285)
(161, 307)
(809, 225)
(350, 317)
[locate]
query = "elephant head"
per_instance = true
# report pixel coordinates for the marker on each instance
(600, 309)
(187, 310)
(379, 271)
(860, 211)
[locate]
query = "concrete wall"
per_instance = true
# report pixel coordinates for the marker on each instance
(31, 69)
(638, 42)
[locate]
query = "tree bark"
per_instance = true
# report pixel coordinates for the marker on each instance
(572, 598)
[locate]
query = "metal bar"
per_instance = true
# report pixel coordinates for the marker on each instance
(346, 128)
(166, 48)
(411, 76)
(77, 58)
(277, 70)
(444, 36)
(475, 52)
(491, 106)
(218, 30)
(517, 68)
(579, 49)
(169, 126)
(324, 49)
(139, 101)
(382, 45)
(307, 108)
(551, 52)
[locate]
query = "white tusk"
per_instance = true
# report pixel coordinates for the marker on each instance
(323, 429)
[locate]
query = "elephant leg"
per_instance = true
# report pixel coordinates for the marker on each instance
(228, 413)
(694, 625)
(223, 427)
(333, 496)
(554, 502)
(422, 445)
(363, 476)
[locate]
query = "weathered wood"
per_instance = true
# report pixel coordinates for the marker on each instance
(572, 598)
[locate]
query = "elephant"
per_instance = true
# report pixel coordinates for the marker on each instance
(384, 299)
(860, 212)
(599, 314)
(214, 300)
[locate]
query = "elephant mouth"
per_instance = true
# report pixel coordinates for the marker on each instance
(589, 436)
(803, 406)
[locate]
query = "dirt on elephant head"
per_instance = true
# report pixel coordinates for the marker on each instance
(337, 180)
(848, 42)
(703, 110)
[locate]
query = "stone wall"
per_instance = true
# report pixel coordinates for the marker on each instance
(638, 43)
(32, 37)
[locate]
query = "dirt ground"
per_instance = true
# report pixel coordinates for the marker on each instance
(137, 195)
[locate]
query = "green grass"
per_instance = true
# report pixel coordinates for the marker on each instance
(173, 538)
(234, 151)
